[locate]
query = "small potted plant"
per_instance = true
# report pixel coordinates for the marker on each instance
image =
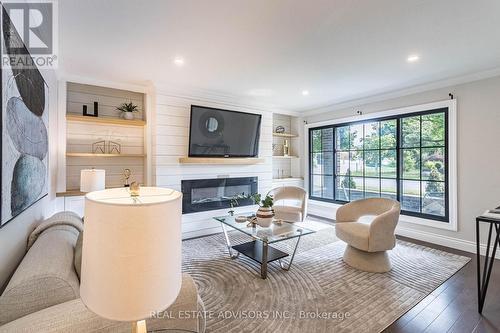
(128, 110)
(265, 212)
(234, 202)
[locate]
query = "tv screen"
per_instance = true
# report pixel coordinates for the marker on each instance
(223, 133)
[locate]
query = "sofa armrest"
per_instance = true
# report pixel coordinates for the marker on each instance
(185, 315)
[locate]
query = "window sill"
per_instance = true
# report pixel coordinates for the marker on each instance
(403, 218)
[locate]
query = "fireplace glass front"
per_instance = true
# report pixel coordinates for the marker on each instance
(210, 194)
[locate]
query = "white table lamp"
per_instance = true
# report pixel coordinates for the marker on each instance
(131, 255)
(92, 180)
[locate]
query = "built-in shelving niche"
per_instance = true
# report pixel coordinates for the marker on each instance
(287, 167)
(83, 131)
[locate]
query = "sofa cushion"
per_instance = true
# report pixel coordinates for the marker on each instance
(185, 315)
(45, 277)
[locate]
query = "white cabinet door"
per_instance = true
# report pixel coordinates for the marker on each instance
(292, 182)
(75, 204)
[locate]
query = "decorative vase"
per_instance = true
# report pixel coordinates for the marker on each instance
(128, 115)
(265, 216)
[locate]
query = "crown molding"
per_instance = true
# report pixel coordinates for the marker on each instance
(355, 102)
(180, 92)
(140, 88)
(220, 97)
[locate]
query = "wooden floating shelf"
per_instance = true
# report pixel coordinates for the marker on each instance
(74, 193)
(103, 155)
(221, 160)
(287, 179)
(279, 156)
(105, 120)
(70, 193)
(285, 135)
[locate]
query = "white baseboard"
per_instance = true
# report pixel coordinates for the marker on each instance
(201, 233)
(328, 210)
(455, 243)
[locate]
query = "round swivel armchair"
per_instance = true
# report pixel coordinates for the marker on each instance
(367, 226)
(290, 203)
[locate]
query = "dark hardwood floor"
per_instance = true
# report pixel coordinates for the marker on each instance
(453, 306)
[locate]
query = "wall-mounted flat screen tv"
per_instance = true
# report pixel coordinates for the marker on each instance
(223, 133)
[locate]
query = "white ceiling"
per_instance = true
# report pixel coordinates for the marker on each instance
(338, 50)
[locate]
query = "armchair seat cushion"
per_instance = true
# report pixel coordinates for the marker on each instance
(288, 213)
(354, 233)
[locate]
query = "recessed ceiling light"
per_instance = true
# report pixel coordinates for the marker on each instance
(305, 92)
(413, 58)
(179, 61)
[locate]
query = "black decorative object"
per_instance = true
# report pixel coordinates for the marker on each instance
(86, 112)
(279, 129)
(96, 109)
(25, 115)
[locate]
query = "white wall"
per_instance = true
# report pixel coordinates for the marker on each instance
(170, 141)
(478, 117)
(13, 236)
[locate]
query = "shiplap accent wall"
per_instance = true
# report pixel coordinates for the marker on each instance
(79, 138)
(170, 141)
(108, 99)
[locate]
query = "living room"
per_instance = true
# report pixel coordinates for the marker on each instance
(289, 166)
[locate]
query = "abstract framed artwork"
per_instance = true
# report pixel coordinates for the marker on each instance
(25, 123)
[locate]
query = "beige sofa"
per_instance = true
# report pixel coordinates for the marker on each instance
(43, 293)
(368, 226)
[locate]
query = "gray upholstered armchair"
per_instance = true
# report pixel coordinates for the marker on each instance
(367, 226)
(290, 203)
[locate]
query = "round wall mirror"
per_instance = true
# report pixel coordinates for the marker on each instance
(212, 124)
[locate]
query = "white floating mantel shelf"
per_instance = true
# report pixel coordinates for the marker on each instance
(221, 160)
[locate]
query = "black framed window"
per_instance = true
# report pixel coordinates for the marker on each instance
(400, 157)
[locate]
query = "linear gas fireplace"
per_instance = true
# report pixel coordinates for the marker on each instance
(209, 194)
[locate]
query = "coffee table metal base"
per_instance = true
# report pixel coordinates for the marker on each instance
(260, 252)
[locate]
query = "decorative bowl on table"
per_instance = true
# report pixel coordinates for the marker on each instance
(265, 216)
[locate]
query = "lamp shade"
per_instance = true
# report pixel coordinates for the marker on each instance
(92, 180)
(131, 254)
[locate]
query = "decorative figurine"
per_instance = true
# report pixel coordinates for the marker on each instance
(286, 148)
(99, 147)
(126, 175)
(279, 129)
(114, 147)
(134, 189)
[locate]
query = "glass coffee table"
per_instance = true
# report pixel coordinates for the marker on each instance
(259, 249)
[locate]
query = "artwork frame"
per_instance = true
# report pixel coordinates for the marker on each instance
(24, 119)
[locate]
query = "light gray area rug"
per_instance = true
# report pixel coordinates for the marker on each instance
(319, 294)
